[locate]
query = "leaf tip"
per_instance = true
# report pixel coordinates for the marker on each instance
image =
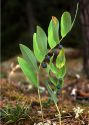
(54, 19)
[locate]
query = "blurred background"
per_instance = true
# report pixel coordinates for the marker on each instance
(20, 17)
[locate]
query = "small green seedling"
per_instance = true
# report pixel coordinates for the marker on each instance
(40, 53)
(13, 114)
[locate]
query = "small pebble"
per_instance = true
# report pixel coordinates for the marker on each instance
(54, 123)
(42, 89)
(63, 111)
(77, 76)
(48, 121)
(39, 112)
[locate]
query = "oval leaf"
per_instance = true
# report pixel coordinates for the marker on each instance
(52, 94)
(52, 67)
(41, 40)
(66, 23)
(40, 56)
(53, 80)
(28, 71)
(53, 32)
(29, 56)
(60, 60)
(61, 73)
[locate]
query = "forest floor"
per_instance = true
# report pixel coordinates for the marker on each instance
(17, 93)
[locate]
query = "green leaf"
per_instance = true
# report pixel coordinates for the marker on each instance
(54, 81)
(47, 69)
(41, 40)
(66, 23)
(53, 32)
(60, 60)
(39, 55)
(52, 94)
(52, 66)
(28, 71)
(61, 73)
(29, 56)
(51, 77)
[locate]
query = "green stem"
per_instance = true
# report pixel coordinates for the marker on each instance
(75, 15)
(40, 96)
(59, 116)
(40, 105)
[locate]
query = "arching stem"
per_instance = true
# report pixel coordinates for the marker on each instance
(40, 105)
(59, 114)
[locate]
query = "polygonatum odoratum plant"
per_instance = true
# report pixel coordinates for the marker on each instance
(41, 53)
